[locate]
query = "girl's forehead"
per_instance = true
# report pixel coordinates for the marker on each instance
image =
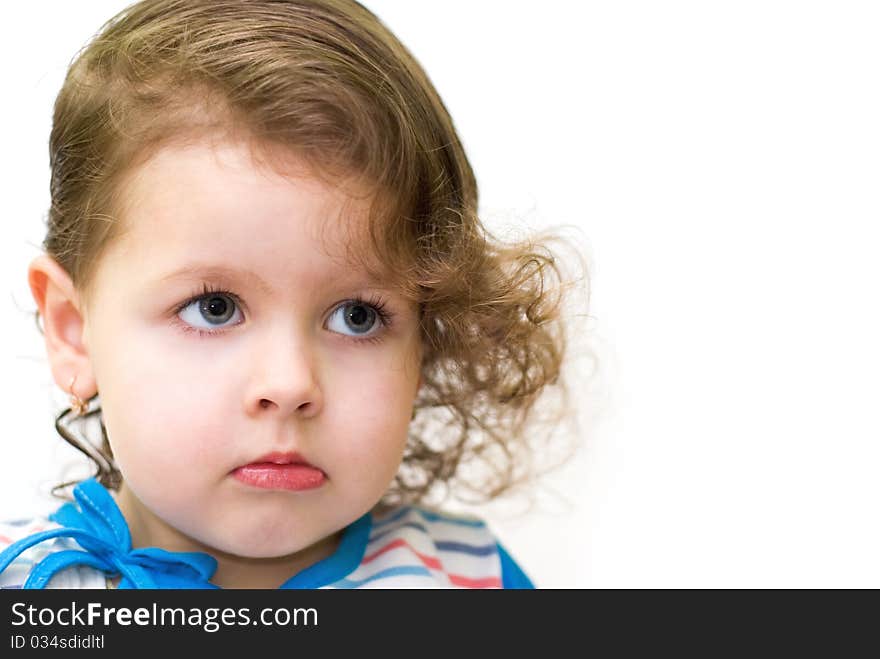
(201, 169)
(210, 209)
(199, 190)
(255, 278)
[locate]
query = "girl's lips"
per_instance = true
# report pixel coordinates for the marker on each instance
(273, 476)
(280, 471)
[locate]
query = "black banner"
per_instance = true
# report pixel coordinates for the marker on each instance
(242, 620)
(432, 621)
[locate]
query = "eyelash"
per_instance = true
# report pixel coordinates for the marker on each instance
(378, 305)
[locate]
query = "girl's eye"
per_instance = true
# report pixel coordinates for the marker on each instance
(215, 308)
(357, 316)
(210, 314)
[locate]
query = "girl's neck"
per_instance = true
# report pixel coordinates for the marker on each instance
(232, 571)
(269, 573)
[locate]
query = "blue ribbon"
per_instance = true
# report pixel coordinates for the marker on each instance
(98, 526)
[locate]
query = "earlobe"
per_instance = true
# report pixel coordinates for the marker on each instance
(63, 325)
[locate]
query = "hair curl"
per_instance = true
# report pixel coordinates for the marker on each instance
(327, 82)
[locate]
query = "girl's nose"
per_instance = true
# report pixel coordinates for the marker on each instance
(284, 379)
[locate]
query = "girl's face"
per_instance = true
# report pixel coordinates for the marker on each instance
(207, 397)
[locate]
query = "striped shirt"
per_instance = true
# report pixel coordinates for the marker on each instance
(408, 547)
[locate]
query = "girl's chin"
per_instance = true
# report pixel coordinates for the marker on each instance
(244, 547)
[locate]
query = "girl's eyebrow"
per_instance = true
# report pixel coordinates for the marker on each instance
(195, 271)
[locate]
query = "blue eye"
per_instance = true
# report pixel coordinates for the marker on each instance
(217, 308)
(210, 313)
(357, 316)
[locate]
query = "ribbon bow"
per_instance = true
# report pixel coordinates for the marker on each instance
(98, 526)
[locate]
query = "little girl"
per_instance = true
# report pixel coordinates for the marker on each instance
(263, 252)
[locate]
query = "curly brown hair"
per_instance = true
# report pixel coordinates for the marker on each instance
(327, 82)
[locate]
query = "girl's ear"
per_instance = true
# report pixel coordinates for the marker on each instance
(63, 325)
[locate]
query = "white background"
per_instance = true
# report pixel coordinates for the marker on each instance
(720, 164)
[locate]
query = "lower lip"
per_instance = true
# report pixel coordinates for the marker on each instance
(280, 477)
